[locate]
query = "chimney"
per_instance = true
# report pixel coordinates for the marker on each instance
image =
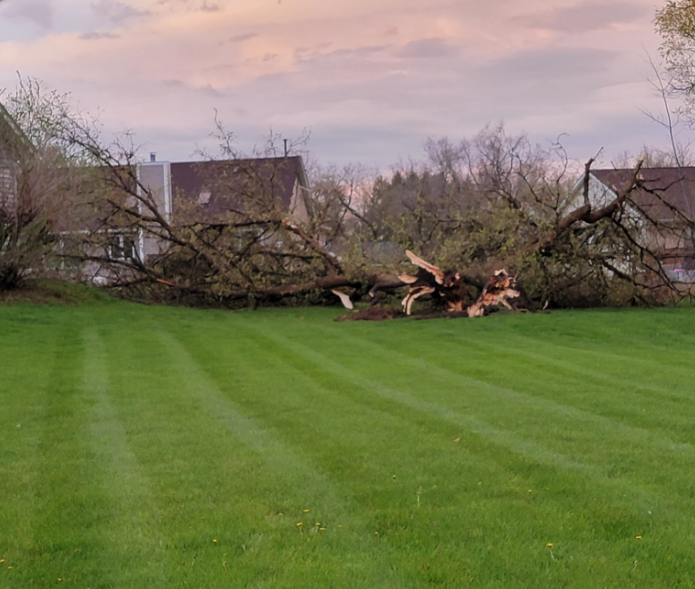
(153, 156)
(287, 151)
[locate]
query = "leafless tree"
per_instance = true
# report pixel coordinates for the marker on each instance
(41, 182)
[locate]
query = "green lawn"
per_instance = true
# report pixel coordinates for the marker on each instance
(150, 447)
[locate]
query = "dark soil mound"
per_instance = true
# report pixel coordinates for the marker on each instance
(372, 314)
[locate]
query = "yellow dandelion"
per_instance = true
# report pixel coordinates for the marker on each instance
(530, 491)
(305, 510)
(299, 524)
(318, 524)
(214, 540)
(280, 513)
(638, 537)
(322, 529)
(393, 476)
(549, 545)
(376, 533)
(60, 580)
(10, 567)
(2, 560)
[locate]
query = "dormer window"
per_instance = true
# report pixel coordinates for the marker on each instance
(204, 198)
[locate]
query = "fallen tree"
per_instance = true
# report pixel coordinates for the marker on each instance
(489, 203)
(259, 256)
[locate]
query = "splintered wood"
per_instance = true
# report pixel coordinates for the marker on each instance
(500, 290)
(449, 288)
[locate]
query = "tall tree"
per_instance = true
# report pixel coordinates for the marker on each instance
(675, 23)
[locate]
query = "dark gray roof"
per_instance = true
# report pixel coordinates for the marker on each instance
(233, 184)
(663, 188)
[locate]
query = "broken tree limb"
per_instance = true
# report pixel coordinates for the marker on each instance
(447, 287)
(344, 299)
(501, 290)
(586, 213)
(437, 274)
(414, 293)
(313, 244)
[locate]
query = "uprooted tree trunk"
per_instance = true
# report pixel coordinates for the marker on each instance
(449, 289)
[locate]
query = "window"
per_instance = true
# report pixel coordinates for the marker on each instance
(8, 186)
(121, 247)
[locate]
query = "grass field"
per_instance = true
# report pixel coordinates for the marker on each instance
(164, 448)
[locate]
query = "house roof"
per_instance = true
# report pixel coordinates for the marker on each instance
(213, 188)
(12, 137)
(674, 187)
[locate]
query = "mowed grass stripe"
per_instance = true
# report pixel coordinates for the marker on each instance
(301, 395)
(588, 462)
(540, 384)
(130, 529)
(579, 434)
(630, 504)
(323, 412)
(649, 366)
(23, 398)
(448, 506)
(214, 496)
(607, 390)
(404, 411)
(590, 367)
(67, 541)
(526, 368)
(417, 403)
(662, 366)
(655, 333)
(205, 464)
(454, 505)
(615, 396)
(370, 558)
(579, 431)
(536, 386)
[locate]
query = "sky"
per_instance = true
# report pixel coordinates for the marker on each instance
(369, 79)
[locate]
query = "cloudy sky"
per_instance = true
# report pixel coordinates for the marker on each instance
(371, 79)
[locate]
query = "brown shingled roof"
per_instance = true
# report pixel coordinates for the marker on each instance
(213, 188)
(676, 186)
